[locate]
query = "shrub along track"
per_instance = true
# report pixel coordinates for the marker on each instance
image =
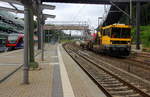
(112, 80)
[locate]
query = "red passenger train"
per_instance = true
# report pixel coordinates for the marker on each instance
(15, 41)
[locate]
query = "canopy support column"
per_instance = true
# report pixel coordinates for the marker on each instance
(31, 39)
(26, 45)
(138, 11)
(39, 27)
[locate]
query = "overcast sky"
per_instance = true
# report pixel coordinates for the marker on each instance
(77, 12)
(71, 12)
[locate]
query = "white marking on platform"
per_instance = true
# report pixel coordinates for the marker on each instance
(11, 52)
(44, 63)
(66, 85)
(54, 63)
(54, 56)
(5, 64)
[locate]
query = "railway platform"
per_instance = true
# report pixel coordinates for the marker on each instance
(11, 61)
(59, 76)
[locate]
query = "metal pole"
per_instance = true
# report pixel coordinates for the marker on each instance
(48, 36)
(31, 39)
(39, 27)
(42, 43)
(131, 12)
(70, 35)
(26, 45)
(44, 35)
(138, 11)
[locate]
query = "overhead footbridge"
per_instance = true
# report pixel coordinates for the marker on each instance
(67, 25)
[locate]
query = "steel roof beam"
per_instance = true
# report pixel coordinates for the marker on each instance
(22, 11)
(49, 16)
(12, 1)
(11, 10)
(127, 1)
(50, 7)
(94, 1)
(44, 6)
(13, 6)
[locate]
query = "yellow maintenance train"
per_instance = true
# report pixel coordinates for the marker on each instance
(113, 39)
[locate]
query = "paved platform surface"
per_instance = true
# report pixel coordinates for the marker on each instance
(9, 61)
(60, 76)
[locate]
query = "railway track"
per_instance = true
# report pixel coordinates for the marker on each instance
(112, 84)
(141, 69)
(144, 54)
(132, 66)
(141, 59)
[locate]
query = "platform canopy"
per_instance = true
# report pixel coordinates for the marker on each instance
(94, 1)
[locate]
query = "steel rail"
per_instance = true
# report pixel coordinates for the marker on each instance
(95, 81)
(110, 73)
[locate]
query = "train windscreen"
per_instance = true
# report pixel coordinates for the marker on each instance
(120, 32)
(12, 38)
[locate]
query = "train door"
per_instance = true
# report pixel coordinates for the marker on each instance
(20, 43)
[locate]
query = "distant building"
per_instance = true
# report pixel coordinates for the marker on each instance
(9, 24)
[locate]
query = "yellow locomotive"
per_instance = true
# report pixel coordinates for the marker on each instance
(113, 39)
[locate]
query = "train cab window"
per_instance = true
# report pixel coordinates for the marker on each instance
(103, 32)
(116, 33)
(126, 32)
(12, 37)
(106, 32)
(120, 33)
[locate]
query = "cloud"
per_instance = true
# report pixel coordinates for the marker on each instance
(70, 12)
(5, 4)
(76, 12)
